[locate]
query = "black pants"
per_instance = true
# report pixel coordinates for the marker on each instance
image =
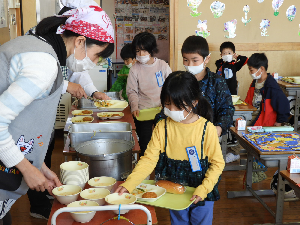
(39, 199)
(6, 220)
(144, 132)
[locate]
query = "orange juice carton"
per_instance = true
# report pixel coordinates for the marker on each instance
(293, 165)
(240, 124)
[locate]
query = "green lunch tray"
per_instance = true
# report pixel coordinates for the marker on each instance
(171, 201)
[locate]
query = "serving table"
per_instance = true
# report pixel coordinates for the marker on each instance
(136, 216)
(270, 159)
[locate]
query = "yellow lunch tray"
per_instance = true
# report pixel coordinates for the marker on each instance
(148, 114)
(171, 201)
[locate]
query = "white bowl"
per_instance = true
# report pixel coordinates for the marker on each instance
(124, 199)
(74, 172)
(296, 80)
(235, 98)
(83, 216)
(66, 194)
(95, 194)
(102, 182)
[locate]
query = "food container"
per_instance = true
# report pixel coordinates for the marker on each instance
(102, 182)
(143, 188)
(116, 105)
(75, 173)
(95, 194)
(83, 216)
(79, 133)
(107, 157)
(80, 119)
(110, 115)
(66, 194)
(82, 112)
(124, 199)
(87, 104)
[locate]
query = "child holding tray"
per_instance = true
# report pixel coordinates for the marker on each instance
(185, 134)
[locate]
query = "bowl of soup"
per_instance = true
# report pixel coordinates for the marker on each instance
(83, 216)
(66, 194)
(124, 199)
(102, 182)
(95, 194)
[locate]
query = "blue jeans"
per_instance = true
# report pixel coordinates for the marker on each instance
(194, 215)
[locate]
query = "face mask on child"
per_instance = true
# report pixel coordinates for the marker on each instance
(195, 69)
(227, 58)
(143, 59)
(254, 77)
(176, 115)
(129, 65)
(77, 65)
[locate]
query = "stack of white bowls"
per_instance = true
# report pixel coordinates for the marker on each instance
(74, 173)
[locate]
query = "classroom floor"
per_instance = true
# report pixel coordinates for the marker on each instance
(239, 211)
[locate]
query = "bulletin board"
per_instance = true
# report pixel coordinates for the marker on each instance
(135, 16)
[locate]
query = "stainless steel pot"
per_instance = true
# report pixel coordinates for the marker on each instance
(107, 157)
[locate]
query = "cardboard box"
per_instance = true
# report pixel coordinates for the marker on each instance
(240, 124)
(293, 165)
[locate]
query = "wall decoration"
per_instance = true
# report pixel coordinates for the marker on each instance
(291, 13)
(203, 32)
(246, 9)
(193, 5)
(264, 24)
(217, 8)
(299, 30)
(260, 1)
(276, 5)
(230, 26)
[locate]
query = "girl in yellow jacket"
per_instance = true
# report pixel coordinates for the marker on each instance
(184, 148)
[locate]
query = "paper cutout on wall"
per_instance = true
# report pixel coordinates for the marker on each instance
(264, 24)
(203, 32)
(246, 9)
(230, 26)
(276, 5)
(291, 13)
(193, 5)
(217, 8)
(260, 1)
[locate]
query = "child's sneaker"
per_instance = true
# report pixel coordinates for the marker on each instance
(40, 213)
(230, 157)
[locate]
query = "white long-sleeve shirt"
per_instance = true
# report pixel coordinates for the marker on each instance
(31, 77)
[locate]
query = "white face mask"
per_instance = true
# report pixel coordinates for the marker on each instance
(77, 65)
(195, 69)
(176, 115)
(129, 65)
(143, 59)
(227, 58)
(254, 77)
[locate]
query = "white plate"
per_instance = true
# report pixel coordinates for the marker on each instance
(79, 119)
(149, 188)
(107, 115)
(79, 113)
(116, 105)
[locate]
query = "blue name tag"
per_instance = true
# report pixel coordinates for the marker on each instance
(159, 78)
(193, 158)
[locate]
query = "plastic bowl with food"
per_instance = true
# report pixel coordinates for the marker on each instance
(124, 199)
(83, 216)
(235, 98)
(95, 194)
(66, 194)
(102, 182)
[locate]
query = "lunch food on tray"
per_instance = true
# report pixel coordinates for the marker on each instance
(149, 195)
(171, 187)
(138, 191)
(104, 104)
(87, 119)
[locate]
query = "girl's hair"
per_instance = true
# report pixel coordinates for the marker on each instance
(144, 41)
(195, 44)
(182, 89)
(50, 24)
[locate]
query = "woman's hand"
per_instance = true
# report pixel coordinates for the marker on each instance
(51, 177)
(219, 130)
(32, 176)
(198, 199)
(76, 90)
(121, 190)
(101, 95)
(136, 113)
